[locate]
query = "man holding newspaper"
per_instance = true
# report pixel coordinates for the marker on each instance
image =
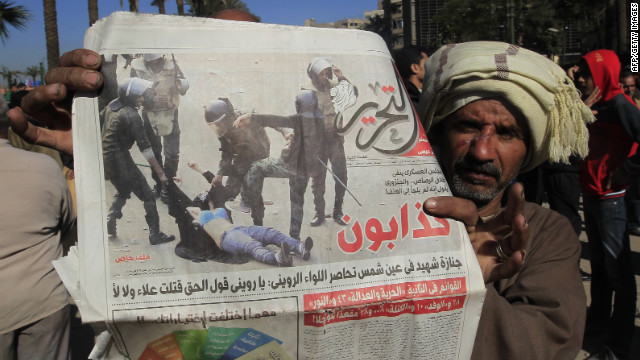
(493, 110)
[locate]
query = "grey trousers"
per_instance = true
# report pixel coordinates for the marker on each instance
(45, 339)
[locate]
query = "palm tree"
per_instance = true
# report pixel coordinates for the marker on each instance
(33, 72)
(51, 32)
(41, 70)
(14, 15)
(180, 4)
(7, 75)
(93, 11)
(160, 5)
(133, 5)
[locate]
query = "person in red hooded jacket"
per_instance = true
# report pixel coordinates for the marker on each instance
(605, 174)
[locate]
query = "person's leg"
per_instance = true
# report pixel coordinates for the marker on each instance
(171, 149)
(238, 242)
(118, 173)
(156, 146)
(339, 166)
(619, 270)
(297, 188)
(254, 181)
(46, 339)
(271, 236)
(598, 314)
(318, 189)
(142, 190)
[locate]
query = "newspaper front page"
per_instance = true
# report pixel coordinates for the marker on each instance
(312, 243)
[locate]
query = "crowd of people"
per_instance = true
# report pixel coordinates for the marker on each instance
(493, 111)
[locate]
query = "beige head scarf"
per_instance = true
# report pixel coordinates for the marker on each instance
(459, 74)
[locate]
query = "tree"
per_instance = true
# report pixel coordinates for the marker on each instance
(15, 15)
(160, 5)
(51, 32)
(133, 5)
(33, 72)
(41, 70)
(206, 8)
(379, 25)
(7, 75)
(180, 5)
(93, 11)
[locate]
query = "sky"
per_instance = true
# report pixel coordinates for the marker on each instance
(26, 48)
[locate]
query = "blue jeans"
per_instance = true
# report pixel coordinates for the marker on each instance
(251, 240)
(611, 272)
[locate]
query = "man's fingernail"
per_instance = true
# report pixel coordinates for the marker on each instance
(53, 89)
(430, 204)
(91, 60)
(92, 77)
(524, 254)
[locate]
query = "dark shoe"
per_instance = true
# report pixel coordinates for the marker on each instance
(634, 230)
(164, 195)
(189, 254)
(585, 275)
(604, 354)
(111, 226)
(157, 190)
(160, 238)
(283, 257)
(338, 220)
(317, 220)
(111, 222)
(338, 215)
(306, 248)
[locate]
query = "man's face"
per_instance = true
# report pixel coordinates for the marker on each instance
(628, 85)
(139, 101)
(483, 145)
(421, 72)
(584, 80)
(324, 77)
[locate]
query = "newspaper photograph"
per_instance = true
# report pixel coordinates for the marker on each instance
(254, 191)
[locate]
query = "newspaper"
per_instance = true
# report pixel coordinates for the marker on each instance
(381, 280)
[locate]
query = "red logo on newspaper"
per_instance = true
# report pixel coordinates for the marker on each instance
(376, 235)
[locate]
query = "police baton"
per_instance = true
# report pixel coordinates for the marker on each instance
(335, 177)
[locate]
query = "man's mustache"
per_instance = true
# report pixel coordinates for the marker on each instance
(465, 165)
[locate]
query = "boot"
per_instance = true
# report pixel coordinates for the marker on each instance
(305, 248)
(158, 237)
(111, 224)
(283, 258)
(164, 195)
(337, 217)
(115, 213)
(317, 220)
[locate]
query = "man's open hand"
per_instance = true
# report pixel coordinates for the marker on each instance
(509, 228)
(51, 104)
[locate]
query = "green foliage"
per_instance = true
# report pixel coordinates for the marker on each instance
(378, 25)
(33, 72)
(539, 25)
(16, 16)
(206, 8)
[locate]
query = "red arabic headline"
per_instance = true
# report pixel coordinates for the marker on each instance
(384, 293)
(416, 307)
